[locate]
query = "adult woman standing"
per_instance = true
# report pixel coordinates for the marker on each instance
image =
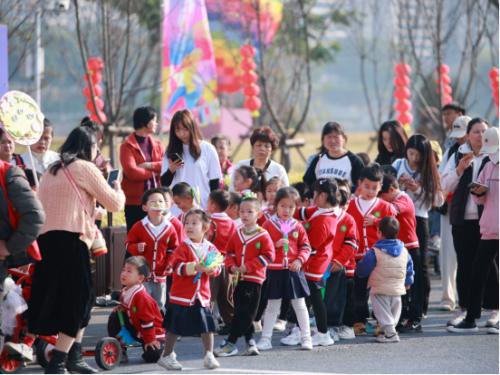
(189, 158)
(264, 142)
(140, 157)
(460, 171)
(391, 141)
(333, 159)
(62, 293)
(7, 148)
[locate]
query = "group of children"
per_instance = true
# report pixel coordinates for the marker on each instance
(256, 252)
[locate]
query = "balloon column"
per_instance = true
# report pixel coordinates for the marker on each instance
(95, 66)
(444, 86)
(249, 79)
(494, 85)
(402, 95)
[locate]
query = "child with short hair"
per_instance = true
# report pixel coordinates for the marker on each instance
(169, 201)
(304, 193)
(222, 145)
(413, 301)
(249, 252)
(184, 197)
(367, 210)
(140, 313)
(233, 209)
(389, 269)
(246, 178)
(189, 312)
(222, 229)
(155, 238)
(286, 279)
(270, 189)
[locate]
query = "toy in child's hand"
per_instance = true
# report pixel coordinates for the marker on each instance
(212, 260)
(286, 227)
(124, 333)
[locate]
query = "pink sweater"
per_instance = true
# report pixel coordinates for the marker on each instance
(488, 223)
(62, 206)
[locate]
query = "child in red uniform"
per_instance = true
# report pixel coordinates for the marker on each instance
(413, 301)
(270, 189)
(140, 312)
(249, 252)
(184, 198)
(169, 201)
(222, 145)
(367, 210)
(155, 238)
(285, 277)
(339, 286)
(222, 229)
(189, 312)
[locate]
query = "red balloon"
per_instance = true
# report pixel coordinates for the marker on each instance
(405, 118)
(247, 50)
(445, 69)
(248, 64)
(493, 73)
(98, 103)
(447, 89)
(249, 77)
(96, 78)
(403, 106)
(402, 93)
(402, 69)
(445, 79)
(251, 90)
(401, 81)
(252, 103)
(86, 92)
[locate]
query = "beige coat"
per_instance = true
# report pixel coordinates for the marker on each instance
(388, 276)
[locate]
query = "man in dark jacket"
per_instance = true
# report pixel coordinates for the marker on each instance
(13, 243)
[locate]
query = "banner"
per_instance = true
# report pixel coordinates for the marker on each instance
(188, 68)
(4, 61)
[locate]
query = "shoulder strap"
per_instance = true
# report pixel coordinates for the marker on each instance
(77, 190)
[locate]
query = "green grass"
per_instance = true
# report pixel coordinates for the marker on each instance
(358, 142)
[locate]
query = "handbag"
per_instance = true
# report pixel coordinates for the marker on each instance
(98, 246)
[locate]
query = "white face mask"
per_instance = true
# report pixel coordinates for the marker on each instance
(494, 157)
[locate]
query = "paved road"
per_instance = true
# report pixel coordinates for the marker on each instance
(433, 351)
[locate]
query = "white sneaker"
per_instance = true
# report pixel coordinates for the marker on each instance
(251, 348)
(264, 344)
(306, 343)
(210, 362)
(257, 326)
(322, 339)
(280, 325)
(169, 362)
(346, 333)
(226, 349)
(387, 339)
(25, 351)
(459, 316)
(493, 319)
(334, 333)
(293, 338)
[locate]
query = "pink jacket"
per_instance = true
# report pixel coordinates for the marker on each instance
(489, 219)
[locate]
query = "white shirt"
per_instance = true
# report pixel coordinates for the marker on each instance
(42, 161)
(156, 229)
(365, 205)
(273, 170)
(197, 173)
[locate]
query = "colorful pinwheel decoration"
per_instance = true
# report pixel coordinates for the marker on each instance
(286, 227)
(212, 260)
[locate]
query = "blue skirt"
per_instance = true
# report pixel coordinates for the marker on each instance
(286, 284)
(188, 320)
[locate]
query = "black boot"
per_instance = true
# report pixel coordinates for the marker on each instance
(76, 364)
(57, 364)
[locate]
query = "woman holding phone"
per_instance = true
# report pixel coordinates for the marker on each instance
(140, 157)
(189, 158)
(462, 169)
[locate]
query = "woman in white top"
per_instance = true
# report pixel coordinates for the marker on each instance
(190, 159)
(264, 141)
(462, 168)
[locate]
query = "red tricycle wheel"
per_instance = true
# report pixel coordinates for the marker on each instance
(9, 365)
(108, 353)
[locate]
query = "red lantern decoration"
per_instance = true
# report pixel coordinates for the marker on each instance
(249, 79)
(402, 94)
(95, 66)
(493, 74)
(443, 82)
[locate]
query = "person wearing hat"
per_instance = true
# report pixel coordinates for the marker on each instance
(451, 112)
(461, 169)
(485, 192)
(447, 255)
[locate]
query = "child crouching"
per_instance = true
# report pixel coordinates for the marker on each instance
(390, 272)
(140, 314)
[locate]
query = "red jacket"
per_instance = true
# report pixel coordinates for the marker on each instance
(255, 252)
(321, 227)
(221, 230)
(298, 244)
(266, 215)
(158, 249)
(143, 313)
(345, 245)
(133, 176)
(184, 290)
(179, 228)
(407, 220)
(367, 235)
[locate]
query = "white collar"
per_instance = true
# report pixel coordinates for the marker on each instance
(158, 228)
(199, 249)
(129, 293)
(220, 215)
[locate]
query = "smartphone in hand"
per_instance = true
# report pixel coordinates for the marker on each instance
(176, 157)
(113, 176)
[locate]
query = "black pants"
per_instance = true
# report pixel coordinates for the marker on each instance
(466, 239)
(423, 238)
(318, 306)
(285, 309)
(132, 215)
(360, 300)
(246, 302)
(264, 294)
(335, 298)
(484, 279)
(149, 355)
(413, 300)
